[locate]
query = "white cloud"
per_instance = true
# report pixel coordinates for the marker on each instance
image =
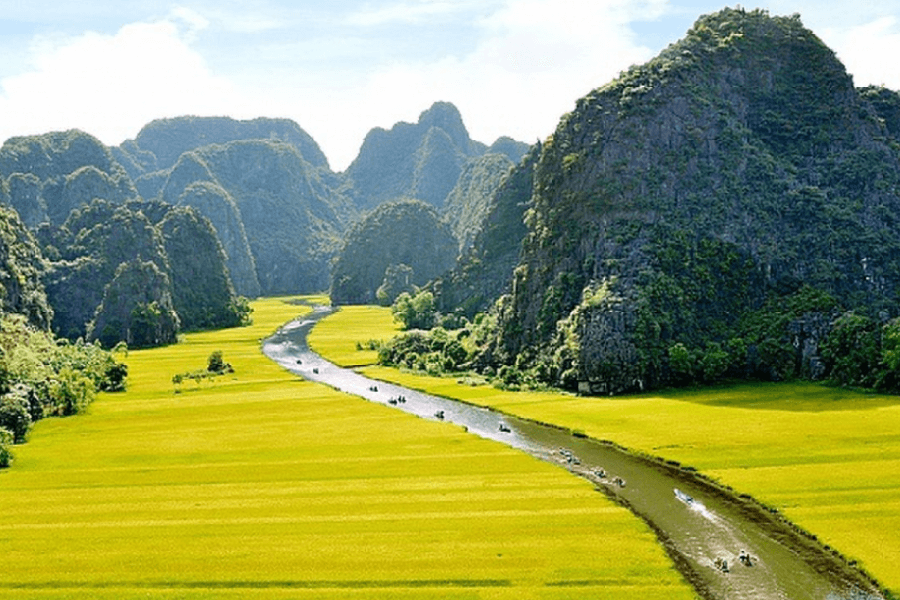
(869, 51)
(405, 12)
(533, 61)
(108, 85)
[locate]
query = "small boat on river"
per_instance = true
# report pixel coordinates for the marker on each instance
(683, 497)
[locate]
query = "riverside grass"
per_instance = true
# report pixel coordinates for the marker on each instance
(259, 485)
(827, 458)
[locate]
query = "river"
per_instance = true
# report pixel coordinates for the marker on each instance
(706, 530)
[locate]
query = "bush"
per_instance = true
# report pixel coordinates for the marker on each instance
(6, 440)
(15, 416)
(415, 312)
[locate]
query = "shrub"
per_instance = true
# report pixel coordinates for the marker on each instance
(15, 416)
(6, 440)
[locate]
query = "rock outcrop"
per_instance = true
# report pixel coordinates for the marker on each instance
(739, 167)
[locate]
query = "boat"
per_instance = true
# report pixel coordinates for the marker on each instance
(683, 497)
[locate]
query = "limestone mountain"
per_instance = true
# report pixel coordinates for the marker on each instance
(483, 272)
(469, 202)
(398, 245)
(202, 292)
(137, 308)
(738, 168)
(21, 270)
(293, 217)
(104, 250)
(422, 160)
(160, 143)
(220, 207)
(50, 175)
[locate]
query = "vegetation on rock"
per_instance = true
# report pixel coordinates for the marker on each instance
(21, 268)
(422, 160)
(469, 202)
(398, 237)
(53, 174)
(719, 180)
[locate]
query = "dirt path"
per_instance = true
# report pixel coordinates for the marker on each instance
(705, 529)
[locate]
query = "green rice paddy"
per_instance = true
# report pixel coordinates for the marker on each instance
(827, 458)
(259, 485)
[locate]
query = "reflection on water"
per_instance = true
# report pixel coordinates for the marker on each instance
(729, 553)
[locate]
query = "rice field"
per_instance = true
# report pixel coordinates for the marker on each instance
(258, 485)
(827, 458)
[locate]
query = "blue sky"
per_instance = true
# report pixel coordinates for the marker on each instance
(339, 68)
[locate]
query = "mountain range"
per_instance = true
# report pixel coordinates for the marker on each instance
(265, 187)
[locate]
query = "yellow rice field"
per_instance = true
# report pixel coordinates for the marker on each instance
(258, 485)
(827, 458)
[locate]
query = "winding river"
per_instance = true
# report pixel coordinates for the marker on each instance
(728, 547)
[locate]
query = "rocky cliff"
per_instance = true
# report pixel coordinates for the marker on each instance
(398, 245)
(52, 174)
(738, 167)
(420, 160)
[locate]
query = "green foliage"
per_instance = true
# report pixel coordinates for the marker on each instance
(216, 364)
(215, 367)
(397, 280)
(408, 233)
(43, 377)
(137, 308)
(852, 350)
(415, 312)
(711, 184)
(202, 292)
(21, 269)
(6, 440)
(67, 169)
(15, 415)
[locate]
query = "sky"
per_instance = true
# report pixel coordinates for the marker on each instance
(343, 67)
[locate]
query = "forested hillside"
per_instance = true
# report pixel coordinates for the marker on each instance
(263, 189)
(399, 246)
(709, 213)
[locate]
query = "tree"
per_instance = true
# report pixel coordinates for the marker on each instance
(852, 350)
(415, 312)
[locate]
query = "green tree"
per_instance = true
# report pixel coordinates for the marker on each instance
(852, 350)
(6, 440)
(15, 416)
(415, 312)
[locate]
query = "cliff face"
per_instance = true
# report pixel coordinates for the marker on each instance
(291, 215)
(52, 174)
(422, 160)
(469, 202)
(483, 271)
(397, 246)
(21, 269)
(739, 165)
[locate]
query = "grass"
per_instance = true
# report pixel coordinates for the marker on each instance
(827, 458)
(258, 485)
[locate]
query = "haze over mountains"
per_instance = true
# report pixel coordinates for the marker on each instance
(709, 213)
